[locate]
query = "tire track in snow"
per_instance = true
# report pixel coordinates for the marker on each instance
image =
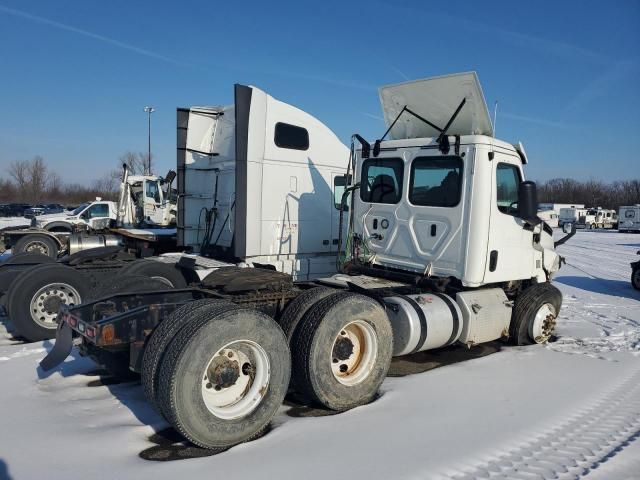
(575, 447)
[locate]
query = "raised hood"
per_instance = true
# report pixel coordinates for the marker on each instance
(436, 99)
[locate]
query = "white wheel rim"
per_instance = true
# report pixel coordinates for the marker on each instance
(46, 302)
(543, 324)
(354, 353)
(37, 247)
(235, 379)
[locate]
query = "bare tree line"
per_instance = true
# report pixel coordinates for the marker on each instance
(591, 193)
(32, 181)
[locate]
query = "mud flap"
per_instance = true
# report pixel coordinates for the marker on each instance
(61, 349)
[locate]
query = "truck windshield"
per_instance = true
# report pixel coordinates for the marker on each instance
(79, 209)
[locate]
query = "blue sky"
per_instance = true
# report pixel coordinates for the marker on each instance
(75, 75)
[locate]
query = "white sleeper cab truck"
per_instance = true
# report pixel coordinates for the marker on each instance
(260, 185)
(438, 243)
(629, 218)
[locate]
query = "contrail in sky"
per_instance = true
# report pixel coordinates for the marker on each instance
(95, 36)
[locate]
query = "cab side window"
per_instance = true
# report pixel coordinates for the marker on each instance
(99, 210)
(381, 180)
(507, 183)
(436, 181)
(153, 191)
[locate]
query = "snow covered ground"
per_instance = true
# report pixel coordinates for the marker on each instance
(565, 410)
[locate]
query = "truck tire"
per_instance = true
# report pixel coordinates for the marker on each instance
(28, 258)
(341, 351)
(158, 341)
(36, 295)
(224, 376)
(37, 243)
(117, 362)
(534, 314)
(7, 277)
(165, 272)
(635, 278)
(299, 306)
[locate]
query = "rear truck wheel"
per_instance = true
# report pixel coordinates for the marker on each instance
(224, 376)
(37, 244)
(299, 306)
(117, 362)
(7, 277)
(159, 340)
(34, 298)
(30, 258)
(592, 226)
(534, 314)
(341, 351)
(165, 272)
(635, 278)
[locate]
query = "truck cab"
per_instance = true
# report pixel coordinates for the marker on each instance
(446, 208)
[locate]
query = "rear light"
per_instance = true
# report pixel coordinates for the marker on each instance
(73, 322)
(90, 332)
(108, 334)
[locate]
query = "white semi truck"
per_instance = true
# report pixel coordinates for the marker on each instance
(435, 232)
(593, 218)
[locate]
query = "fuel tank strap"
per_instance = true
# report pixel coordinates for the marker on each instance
(423, 322)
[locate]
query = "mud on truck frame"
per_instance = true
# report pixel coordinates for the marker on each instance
(438, 243)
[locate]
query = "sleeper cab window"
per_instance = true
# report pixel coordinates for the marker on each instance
(436, 181)
(507, 184)
(291, 136)
(381, 180)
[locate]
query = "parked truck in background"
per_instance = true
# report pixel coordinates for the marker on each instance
(594, 218)
(435, 235)
(144, 203)
(629, 218)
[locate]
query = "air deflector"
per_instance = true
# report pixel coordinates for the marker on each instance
(436, 99)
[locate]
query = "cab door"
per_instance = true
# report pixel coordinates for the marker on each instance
(153, 211)
(510, 254)
(339, 182)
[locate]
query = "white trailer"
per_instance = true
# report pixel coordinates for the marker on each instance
(441, 244)
(629, 218)
(570, 215)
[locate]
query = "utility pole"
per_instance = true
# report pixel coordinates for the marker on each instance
(149, 111)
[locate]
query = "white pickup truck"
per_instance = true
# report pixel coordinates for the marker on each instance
(86, 214)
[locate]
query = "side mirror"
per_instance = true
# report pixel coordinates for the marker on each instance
(566, 228)
(528, 202)
(365, 145)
